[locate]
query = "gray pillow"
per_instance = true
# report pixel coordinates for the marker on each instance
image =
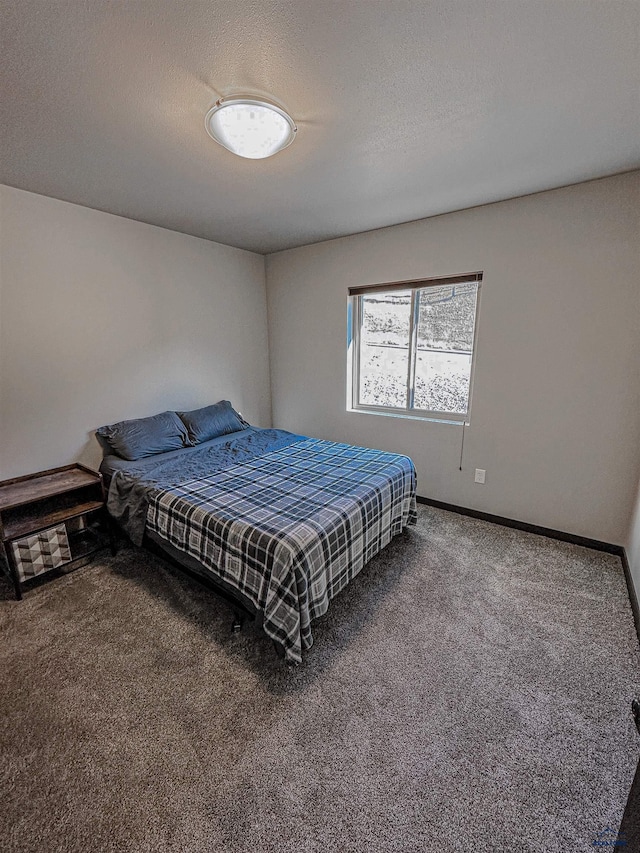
(144, 436)
(212, 421)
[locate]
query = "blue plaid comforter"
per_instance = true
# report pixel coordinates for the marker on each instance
(289, 529)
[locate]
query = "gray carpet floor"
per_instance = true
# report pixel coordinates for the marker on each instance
(470, 691)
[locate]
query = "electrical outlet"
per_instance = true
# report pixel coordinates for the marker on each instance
(480, 475)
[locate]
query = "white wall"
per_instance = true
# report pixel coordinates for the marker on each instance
(103, 318)
(555, 413)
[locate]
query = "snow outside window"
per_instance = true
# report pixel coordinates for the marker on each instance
(411, 348)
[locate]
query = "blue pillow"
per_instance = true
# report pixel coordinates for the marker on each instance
(212, 421)
(142, 437)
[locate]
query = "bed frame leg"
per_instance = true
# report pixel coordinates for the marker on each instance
(279, 650)
(238, 621)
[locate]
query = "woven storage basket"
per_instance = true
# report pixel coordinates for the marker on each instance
(41, 552)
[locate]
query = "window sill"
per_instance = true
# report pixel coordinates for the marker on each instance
(408, 417)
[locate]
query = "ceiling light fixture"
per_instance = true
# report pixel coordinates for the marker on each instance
(250, 127)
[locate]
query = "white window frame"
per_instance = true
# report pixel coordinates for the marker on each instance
(355, 316)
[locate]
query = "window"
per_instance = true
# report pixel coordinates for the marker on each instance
(411, 347)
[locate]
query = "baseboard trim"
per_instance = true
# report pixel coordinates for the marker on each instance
(595, 544)
(633, 598)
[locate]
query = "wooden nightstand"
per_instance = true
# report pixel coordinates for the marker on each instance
(48, 521)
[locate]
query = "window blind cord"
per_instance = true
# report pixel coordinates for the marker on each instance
(464, 423)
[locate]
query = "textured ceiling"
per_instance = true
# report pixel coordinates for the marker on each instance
(405, 109)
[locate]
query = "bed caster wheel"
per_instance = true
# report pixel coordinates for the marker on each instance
(236, 627)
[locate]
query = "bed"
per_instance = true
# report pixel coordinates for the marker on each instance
(278, 521)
